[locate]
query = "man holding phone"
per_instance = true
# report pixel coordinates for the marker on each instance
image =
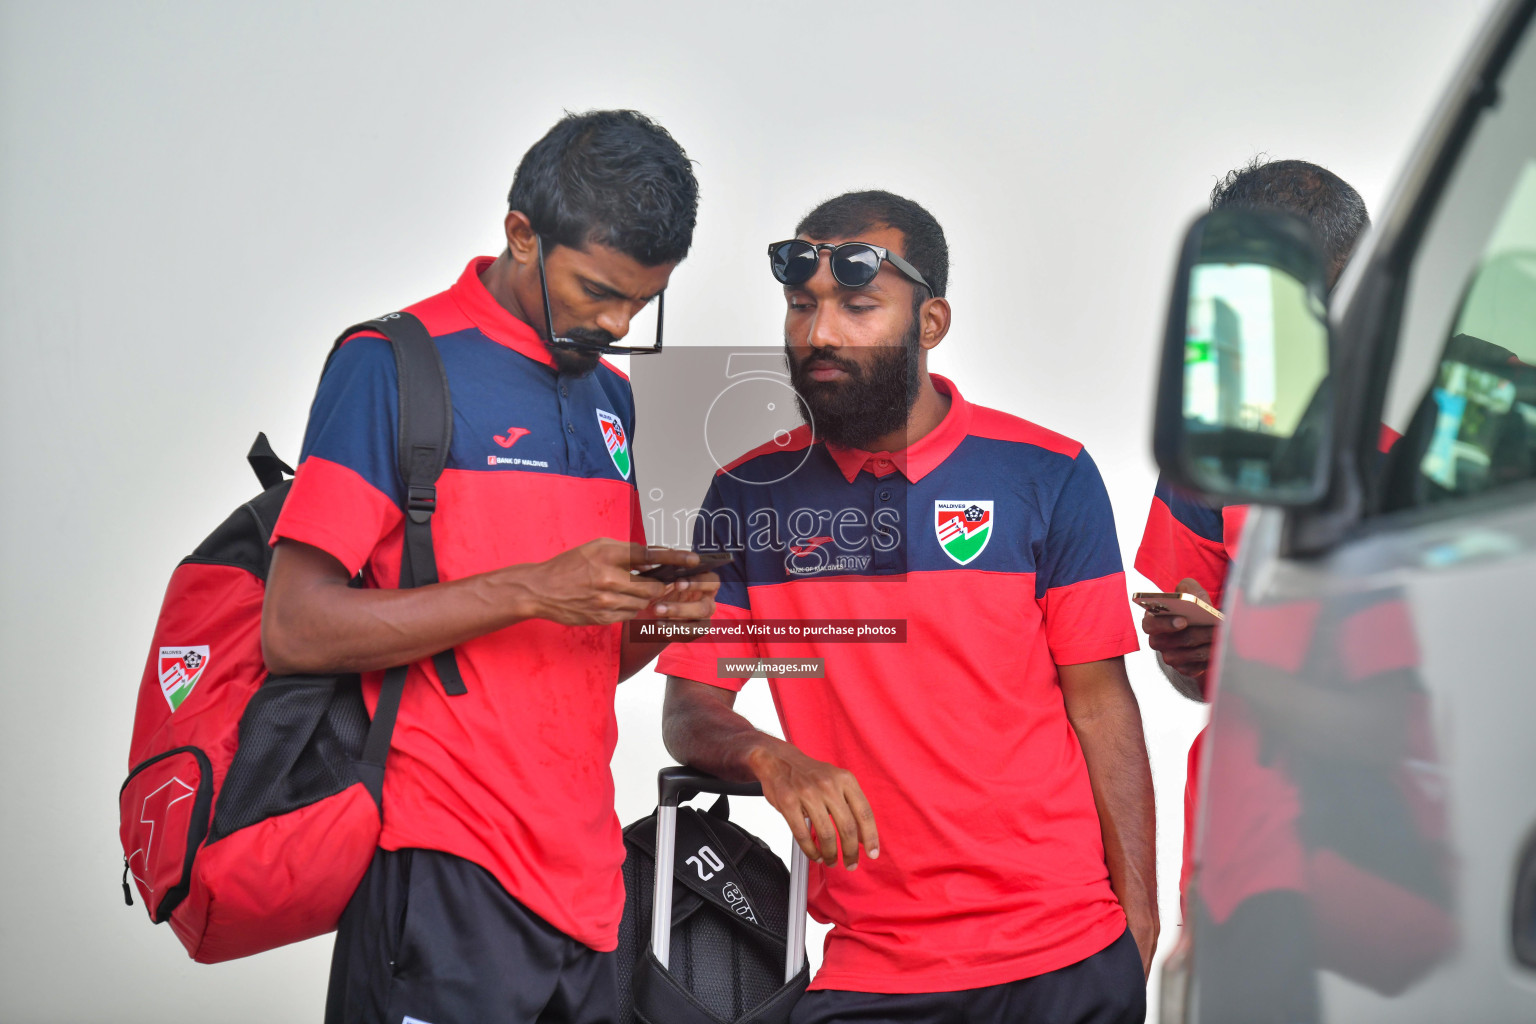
(496, 893)
(991, 767)
(1189, 546)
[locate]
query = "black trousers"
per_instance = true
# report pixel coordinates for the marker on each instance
(1106, 988)
(430, 938)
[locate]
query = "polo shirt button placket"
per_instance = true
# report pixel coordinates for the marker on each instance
(572, 456)
(890, 492)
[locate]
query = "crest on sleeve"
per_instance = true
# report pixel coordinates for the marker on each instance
(616, 440)
(963, 528)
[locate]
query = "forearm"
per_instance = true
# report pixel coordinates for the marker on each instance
(701, 729)
(1108, 727)
(1122, 793)
(327, 626)
(822, 804)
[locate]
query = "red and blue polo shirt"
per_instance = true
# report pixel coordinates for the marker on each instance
(1259, 839)
(994, 540)
(1187, 538)
(514, 775)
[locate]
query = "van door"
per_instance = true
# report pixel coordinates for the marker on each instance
(1365, 846)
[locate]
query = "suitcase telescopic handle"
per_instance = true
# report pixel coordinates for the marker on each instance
(677, 784)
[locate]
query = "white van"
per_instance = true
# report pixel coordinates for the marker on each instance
(1366, 847)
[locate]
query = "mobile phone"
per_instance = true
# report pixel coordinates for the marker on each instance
(1187, 606)
(709, 561)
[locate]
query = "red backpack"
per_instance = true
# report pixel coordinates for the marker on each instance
(253, 802)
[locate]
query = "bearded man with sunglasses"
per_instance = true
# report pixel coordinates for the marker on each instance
(992, 766)
(496, 893)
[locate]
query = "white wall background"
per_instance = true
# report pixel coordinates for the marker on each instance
(195, 197)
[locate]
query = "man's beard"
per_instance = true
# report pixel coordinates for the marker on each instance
(866, 405)
(578, 362)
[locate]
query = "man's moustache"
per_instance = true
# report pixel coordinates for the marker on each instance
(824, 363)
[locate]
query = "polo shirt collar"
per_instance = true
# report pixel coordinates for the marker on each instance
(922, 456)
(491, 318)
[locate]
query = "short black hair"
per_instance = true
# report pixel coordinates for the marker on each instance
(610, 177)
(1334, 209)
(846, 215)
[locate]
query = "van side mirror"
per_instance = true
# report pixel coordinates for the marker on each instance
(1244, 410)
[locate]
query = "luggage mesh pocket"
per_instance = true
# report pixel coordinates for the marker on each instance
(299, 736)
(727, 967)
(732, 970)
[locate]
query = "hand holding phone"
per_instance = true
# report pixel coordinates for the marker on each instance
(1180, 627)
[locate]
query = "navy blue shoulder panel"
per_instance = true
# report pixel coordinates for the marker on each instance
(1194, 513)
(354, 420)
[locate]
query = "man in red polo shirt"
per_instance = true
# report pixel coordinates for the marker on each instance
(497, 893)
(1254, 875)
(992, 766)
(1188, 543)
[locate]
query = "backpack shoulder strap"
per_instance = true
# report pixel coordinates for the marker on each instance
(426, 430)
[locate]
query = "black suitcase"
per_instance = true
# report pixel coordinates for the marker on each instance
(714, 924)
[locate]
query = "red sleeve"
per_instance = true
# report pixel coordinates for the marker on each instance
(1089, 621)
(1079, 580)
(698, 660)
(334, 509)
(1173, 549)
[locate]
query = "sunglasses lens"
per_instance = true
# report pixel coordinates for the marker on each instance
(855, 264)
(793, 262)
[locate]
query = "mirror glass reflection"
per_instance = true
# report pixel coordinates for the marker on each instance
(1255, 360)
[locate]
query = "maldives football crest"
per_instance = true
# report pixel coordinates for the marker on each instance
(616, 440)
(180, 669)
(964, 527)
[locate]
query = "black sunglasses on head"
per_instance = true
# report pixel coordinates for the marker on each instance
(854, 264)
(615, 349)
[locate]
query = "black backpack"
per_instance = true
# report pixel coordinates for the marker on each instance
(736, 932)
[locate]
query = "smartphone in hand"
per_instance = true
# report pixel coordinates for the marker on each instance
(709, 561)
(1189, 607)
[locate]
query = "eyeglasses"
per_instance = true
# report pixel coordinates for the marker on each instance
(614, 349)
(854, 264)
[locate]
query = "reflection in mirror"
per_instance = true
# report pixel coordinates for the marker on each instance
(1484, 397)
(1484, 420)
(1475, 426)
(1255, 357)
(1326, 845)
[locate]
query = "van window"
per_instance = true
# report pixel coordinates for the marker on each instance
(1463, 386)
